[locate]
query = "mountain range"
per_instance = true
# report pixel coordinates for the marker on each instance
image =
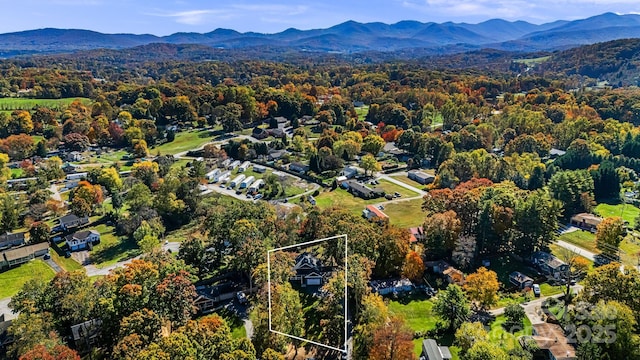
(352, 37)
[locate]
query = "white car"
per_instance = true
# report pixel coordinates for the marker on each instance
(536, 290)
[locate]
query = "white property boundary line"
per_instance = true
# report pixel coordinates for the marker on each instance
(346, 325)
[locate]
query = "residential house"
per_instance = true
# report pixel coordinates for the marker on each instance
(550, 341)
(210, 297)
(349, 172)
(259, 133)
(82, 240)
(371, 212)
(72, 221)
(225, 163)
(276, 154)
(85, 334)
(431, 351)
(416, 234)
(234, 165)
(438, 267)
(9, 240)
(69, 168)
(362, 191)
(244, 167)
(391, 286)
(520, 280)
(237, 180)
(259, 169)
(358, 104)
(212, 174)
(20, 183)
(555, 153)
(247, 182)
(421, 177)
(549, 264)
(401, 155)
(340, 180)
(20, 255)
(309, 271)
(454, 276)
(276, 133)
(299, 167)
(282, 122)
(74, 156)
(77, 176)
(586, 221)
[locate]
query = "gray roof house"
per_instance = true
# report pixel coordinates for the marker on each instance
(70, 221)
(431, 351)
(11, 239)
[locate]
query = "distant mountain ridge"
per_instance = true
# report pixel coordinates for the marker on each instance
(351, 37)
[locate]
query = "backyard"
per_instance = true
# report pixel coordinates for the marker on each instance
(417, 313)
(112, 248)
(405, 214)
(14, 279)
(581, 238)
(627, 212)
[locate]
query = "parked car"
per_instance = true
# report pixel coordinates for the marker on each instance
(381, 207)
(242, 297)
(46, 257)
(258, 197)
(67, 254)
(397, 194)
(536, 290)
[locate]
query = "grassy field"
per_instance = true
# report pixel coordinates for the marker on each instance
(559, 251)
(627, 212)
(9, 104)
(235, 324)
(111, 248)
(66, 264)
(11, 281)
(341, 198)
(362, 112)
(505, 339)
(405, 214)
(184, 141)
(391, 188)
(583, 239)
(417, 314)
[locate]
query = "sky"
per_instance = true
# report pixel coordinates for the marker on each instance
(164, 17)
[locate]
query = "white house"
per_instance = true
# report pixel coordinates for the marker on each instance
(82, 240)
(237, 180)
(245, 165)
(233, 165)
(212, 174)
(256, 186)
(74, 156)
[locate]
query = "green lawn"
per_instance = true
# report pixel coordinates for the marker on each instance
(627, 212)
(109, 157)
(184, 141)
(343, 199)
(67, 264)
(28, 104)
(503, 338)
(11, 281)
(235, 324)
(558, 251)
(362, 112)
(391, 188)
(532, 61)
(418, 316)
(631, 251)
(583, 239)
(112, 248)
(17, 173)
(405, 214)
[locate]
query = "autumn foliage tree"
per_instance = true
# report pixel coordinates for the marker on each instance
(482, 287)
(609, 234)
(58, 352)
(392, 341)
(413, 267)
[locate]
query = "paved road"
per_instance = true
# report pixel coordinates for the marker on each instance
(4, 309)
(248, 327)
(532, 308)
(93, 270)
(576, 249)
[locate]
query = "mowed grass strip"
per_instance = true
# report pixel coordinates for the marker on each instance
(12, 280)
(10, 104)
(627, 212)
(184, 141)
(405, 214)
(583, 239)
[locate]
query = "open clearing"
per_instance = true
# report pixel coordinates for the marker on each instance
(12, 280)
(10, 104)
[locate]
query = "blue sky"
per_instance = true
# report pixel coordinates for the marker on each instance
(162, 17)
